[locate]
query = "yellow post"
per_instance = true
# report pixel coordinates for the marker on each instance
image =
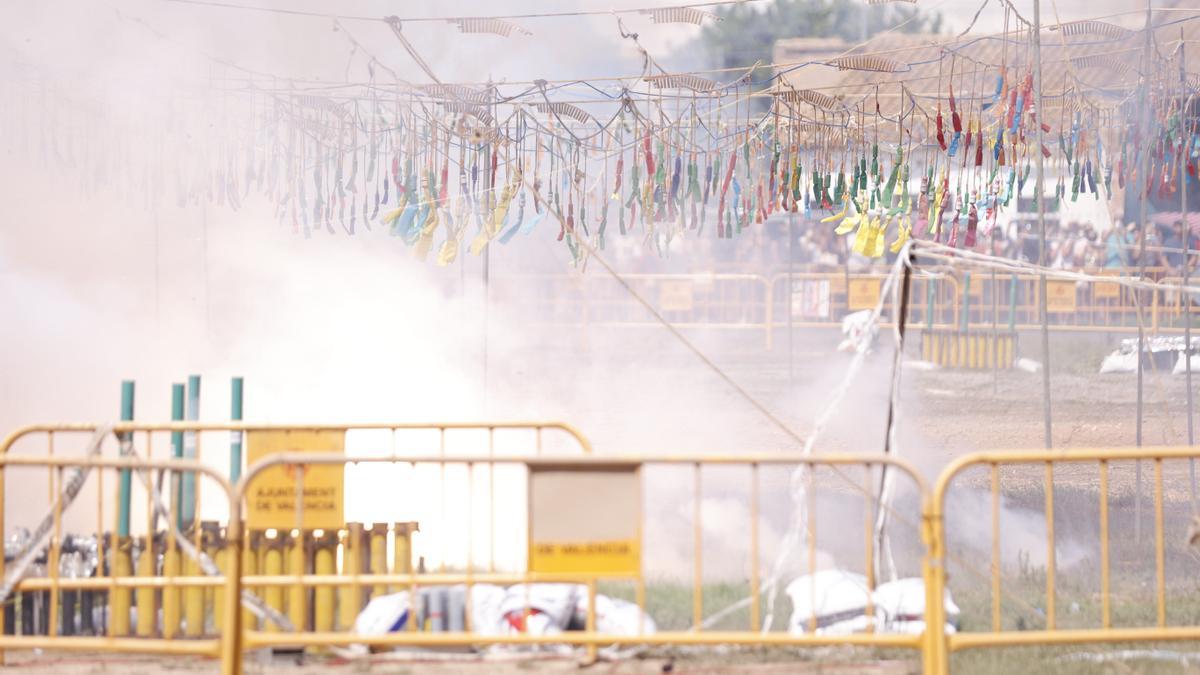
(249, 556)
(402, 554)
(212, 541)
(220, 557)
(147, 610)
(379, 555)
(273, 566)
(297, 593)
(350, 597)
(194, 605)
(170, 595)
(934, 655)
(324, 564)
(231, 639)
(122, 566)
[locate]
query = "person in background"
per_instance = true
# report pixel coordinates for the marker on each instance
(1094, 256)
(1133, 252)
(1081, 257)
(1061, 247)
(998, 244)
(1029, 243)
(1172, 242)
(1116, 253)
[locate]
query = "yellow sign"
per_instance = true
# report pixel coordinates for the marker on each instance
(1106, 289)
(584, 520)
(676, 296)
(271, 499)
(620, 557)
(864, 293)
(1060, 296)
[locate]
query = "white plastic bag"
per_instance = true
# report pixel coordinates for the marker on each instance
(615, 616)
(384, 614)
(486, 615)
(550, 607)
(903, 604)
(837, 598)
(858, 332)
(1181, 364)
(1119, 362)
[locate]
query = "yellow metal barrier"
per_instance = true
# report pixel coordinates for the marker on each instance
(472, 572)
(969, 350)
(939, 646)
(300, 571)
(821, 299)
(723, 300)
(175, 585)
(117, 580)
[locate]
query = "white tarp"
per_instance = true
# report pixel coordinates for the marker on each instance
(837, 599)
(903, 604)
(615, 616)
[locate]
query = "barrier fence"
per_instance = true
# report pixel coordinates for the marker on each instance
(967, 301)
(300, 576)
(1072, 626)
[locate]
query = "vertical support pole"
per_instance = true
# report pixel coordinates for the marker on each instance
(188, 507)
(249, 566)
(221, 558)
(125, 484)
(147, 609)
(273, 567)
(402, 547)
(298, 593)
(122, 566)
(1184, 149)
(1041, 210)
(791, 228)
(171, 596)
(966, 303)
(324, 564)
(122, 598)
(378, 552)
(995, 351)
(934, 655)
(350, 598)
(929, 291)
(1142, 187)
(1013, 281)
(231, 637)
(235, 437)
(194, 601)
(177, 452)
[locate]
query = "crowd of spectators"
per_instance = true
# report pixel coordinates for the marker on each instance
(1070, 245)
(1075, 245)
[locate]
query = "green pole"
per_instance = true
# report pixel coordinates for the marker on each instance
(177, 447)
(188, 507)
(235, 439)
(125, 483)
(929, 303)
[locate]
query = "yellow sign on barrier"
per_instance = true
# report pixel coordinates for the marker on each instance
(676, 296)
(569, 534)
(1104, 289)
(864, 293)
(1060, 296)
(271, 502)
